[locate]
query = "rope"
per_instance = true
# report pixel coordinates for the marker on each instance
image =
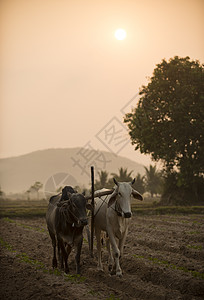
(69, 210)
(116, 210)
(103, 201)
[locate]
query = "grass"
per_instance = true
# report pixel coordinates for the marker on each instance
(151, 206)
(6, 245)
(112, 297)
(29, 209)
(74, 278)
(24, 226)
(172, 266)
(8, 220)
(93, 293)
(24, 258)
(193, 232)
(97, 293)
(25, 209)
(168, 210)
(196, 247)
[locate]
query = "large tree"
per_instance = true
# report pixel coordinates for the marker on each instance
(36, 187)
(168, 123)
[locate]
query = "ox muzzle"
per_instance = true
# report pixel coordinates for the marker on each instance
(128, 215)
(82, 222)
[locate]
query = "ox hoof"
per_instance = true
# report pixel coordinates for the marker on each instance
(54, 264)
(119, 274)
(110, 267)
(112, 270)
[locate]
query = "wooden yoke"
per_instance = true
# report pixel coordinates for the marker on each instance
(100, 194)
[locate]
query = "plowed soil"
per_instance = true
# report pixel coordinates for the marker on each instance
(163, 259)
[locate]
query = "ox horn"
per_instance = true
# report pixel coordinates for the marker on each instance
(115, 181)
(100, 194)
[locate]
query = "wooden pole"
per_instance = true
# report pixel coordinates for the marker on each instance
(92, 214)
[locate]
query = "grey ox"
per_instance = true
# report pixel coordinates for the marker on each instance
(112, 215)
(65, 222)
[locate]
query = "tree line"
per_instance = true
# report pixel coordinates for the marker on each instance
(151, 182)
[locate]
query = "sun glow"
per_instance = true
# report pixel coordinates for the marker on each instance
(120, 34)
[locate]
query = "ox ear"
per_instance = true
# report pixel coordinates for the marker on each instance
(137, 195)
(112, 198)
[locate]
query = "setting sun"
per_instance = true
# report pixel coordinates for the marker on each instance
(120, 34)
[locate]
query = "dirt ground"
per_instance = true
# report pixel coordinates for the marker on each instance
(163, 259)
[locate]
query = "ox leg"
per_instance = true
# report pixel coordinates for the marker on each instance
(122, 242)
(98, 239)
(116, 253)
(69, 249)
(65, 255)
(59, 253)
(54, 259)
(78, 254)
(110, 256)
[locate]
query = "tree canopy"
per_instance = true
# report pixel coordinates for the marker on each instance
(123, 176)
(139, 184)
(168, 122)
(103, 181)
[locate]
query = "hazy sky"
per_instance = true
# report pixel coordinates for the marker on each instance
(66, 81)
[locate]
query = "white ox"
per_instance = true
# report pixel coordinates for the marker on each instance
(112, 215)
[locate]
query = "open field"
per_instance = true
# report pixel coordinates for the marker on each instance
(163, 259)
(19, 208)
(28, 209)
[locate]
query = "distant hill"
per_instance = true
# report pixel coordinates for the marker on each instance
(58, 167)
